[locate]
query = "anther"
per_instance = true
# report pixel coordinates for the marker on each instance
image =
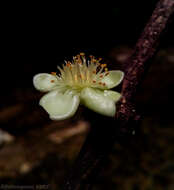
(101, 76)
(91, 56)
(52, 81)
(94, 81)
(68, 64)
(103, 65)
(82, 54)
(53, 73)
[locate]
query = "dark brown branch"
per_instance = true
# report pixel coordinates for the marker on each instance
(100, 139)
(139, 61)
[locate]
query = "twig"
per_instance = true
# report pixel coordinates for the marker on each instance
(100, 140)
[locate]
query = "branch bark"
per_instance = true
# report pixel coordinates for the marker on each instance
(100, 140)
(139, 61)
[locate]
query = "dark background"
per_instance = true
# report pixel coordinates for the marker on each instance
(36, 37)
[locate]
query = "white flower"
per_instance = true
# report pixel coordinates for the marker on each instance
(80, 81)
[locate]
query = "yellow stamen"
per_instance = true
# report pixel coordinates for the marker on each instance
(75, 78)
(107, 74)
(82, 72)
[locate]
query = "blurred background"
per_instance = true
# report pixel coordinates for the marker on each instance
(36, 37)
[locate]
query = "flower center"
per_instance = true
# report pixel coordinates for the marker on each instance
(82, 72)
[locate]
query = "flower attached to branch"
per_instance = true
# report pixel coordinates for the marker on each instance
(84, 81)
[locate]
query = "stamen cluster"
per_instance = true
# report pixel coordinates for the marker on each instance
(82, 72)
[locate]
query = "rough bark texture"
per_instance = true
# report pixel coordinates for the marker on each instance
(95, 149)
(139, 61)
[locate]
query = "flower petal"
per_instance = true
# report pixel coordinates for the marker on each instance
(45, 82)
(60, 105)
(113, 79)
(98, 101)
(115, 96)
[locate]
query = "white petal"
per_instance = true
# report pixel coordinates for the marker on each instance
(115, 96)
(113, 79)
(97, 101)
(45, 82)
(60, 105)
